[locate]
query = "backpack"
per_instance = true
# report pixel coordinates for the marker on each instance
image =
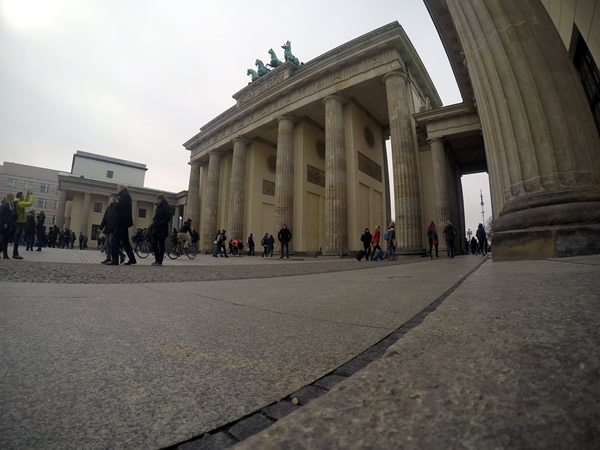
(386, 235)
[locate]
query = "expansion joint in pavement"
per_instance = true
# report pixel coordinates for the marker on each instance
(236, 431)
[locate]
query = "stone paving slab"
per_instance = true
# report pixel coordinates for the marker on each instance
(154, 364)
(510, 359)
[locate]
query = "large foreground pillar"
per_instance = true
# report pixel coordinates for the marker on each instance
(237, 190)
(404, 164)
(336, 190)
(538, 125)
(284, 175)
(211, 201)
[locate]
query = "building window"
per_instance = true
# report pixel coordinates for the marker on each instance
(55, 204)
(109, 174)
(44, 187)
(590, 77)
(97, 207)
(95, 232)
(28, 185)
(142, 213)
(53, 220)
(42, 202)
(12, 182)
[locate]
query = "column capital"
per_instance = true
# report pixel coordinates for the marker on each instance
(396, 73)
(241, 140)
(286, 117)
(194, 163)
(337, 97)
(437, 139)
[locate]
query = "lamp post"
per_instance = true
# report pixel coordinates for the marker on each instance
(469, 234)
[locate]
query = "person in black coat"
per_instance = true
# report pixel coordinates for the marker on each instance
(365, 238)
(284, 236)
(41, 230)
(6, 221)
(124, 221)
(160, 228)
(107, 226)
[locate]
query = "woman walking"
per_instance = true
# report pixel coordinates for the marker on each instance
(432, 236)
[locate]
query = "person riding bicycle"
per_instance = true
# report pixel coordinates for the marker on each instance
(185, 233)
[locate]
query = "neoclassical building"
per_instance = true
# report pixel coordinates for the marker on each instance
(304, 144)
(84, 193)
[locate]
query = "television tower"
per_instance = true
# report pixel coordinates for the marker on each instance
(482, 210)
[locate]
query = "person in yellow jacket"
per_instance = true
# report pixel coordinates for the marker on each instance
(20, 218)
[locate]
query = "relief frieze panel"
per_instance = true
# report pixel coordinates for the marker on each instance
(315, 175)
(370, 167)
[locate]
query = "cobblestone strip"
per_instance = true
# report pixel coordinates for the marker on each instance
(238, 430)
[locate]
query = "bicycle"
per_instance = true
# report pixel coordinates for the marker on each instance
(177, 250)
(143, 249)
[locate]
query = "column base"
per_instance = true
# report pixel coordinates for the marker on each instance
(548, 225)
(540, 243)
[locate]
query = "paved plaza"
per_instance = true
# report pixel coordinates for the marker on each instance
(150, 357)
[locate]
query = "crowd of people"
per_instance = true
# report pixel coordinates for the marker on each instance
(25, 228)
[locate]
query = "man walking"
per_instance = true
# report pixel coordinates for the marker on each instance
(160, 228)
(284, 237)
(124, 221)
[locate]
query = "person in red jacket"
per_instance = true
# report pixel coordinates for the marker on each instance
(375, 241)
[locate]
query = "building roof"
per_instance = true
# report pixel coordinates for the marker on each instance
(109, 159)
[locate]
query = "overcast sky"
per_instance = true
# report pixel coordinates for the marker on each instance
(135, 79)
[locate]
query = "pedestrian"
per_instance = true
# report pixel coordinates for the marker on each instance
(365, 238)
(80, 240)
(185, 233)
(284, 237)
(474, 246)
(482, 238)
(160, 228)
(6, 223)
(449, 236)
(251, 245)
(222, 243)
(107, 226)
(124, 221)
(432, 236)
(270, 245)
(375, 242)
(390, 239)
(20, 218)
(41, 230)
(29, 230)
(265, 243)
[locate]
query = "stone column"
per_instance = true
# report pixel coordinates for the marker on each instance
(441, 184)
(237, 190)
(211, 202)
(60, 212)
(284, 175)
(336, 190)
(85, 213)
(201, 202)
(192, 207)
(537, 119)
(404, 164)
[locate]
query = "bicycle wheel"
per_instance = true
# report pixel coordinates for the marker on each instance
(143, 250)
(190, 252)
(174, 251)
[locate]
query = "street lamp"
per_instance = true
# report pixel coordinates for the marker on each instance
(469, 234)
